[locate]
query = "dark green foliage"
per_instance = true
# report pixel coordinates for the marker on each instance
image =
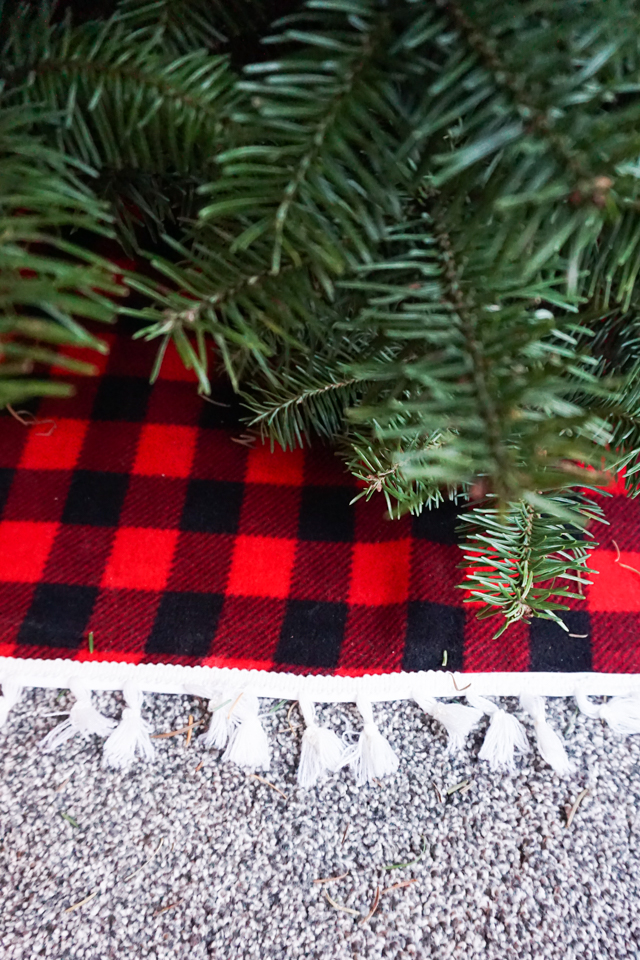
(317, 169)
(147, 120)
(233, 299)
(313, 399)
(47, 283)
(408, 227)
(187, 25)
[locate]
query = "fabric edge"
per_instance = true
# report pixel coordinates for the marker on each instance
(178, 679)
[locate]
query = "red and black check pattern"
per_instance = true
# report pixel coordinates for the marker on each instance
(140, 519)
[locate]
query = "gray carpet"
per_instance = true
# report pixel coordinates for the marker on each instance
(215, 864)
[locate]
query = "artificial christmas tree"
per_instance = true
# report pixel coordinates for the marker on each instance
(408, 227)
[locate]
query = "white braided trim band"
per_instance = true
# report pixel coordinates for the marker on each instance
(177, 679)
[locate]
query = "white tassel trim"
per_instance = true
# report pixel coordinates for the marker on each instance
(224, 719)
(248, 744)
(621, 713)
(457, 719)
(83, 718)
(11, 694)
(132, 736)
(504, 736)
(549, 743)
(372, 756)
(321, 750)
(235, 724)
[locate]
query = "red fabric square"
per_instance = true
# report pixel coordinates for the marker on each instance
(434, 573)
(374, 636)
(86, 355)
(482, 654)
(165, 450)
(24, 548)
(201, 563)
(623, 525)
(248, 633)
(57, 451)
(283, 467)
(612, 646)
(140, 559)
(614, 587)
(380, 573)
(38, 495)
(217, 457)
(153, 502)
(174, 369)
(269, 510)
(110, 446)
(79, 555)
(321, 571)
(261, 566)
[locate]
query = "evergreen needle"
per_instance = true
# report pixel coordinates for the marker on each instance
(410, 863)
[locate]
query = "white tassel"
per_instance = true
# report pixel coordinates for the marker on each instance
(372, 756)
(321, 749)
(248, 745)
(132, 736)
(83, 718)
(504, 736)
(621, 713)
(549, 743)
(224, 720)
(11, 694)
(457, 719)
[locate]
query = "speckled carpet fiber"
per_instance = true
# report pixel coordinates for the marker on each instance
(214, 863)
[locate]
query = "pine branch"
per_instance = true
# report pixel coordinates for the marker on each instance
(148, 119)
(233, 299)
(305, 401)
(321, 166)
(499, 380)
(516, 555)
(378, 466)
(532, 116)
(188, 25)
(616, 342)
(47, 284)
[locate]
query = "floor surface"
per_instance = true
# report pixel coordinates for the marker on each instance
(179, 860)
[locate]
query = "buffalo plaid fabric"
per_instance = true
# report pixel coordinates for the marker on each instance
(134, 515)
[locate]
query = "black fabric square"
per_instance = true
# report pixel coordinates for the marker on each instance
(121, 398)
(58, 616)
(6, 479)
(325, 514)
(433, 628)
(438, 525)
(95, 499)
(223, 408)
(553, 649)
(212, 506)
(185, 624)
(312, 633)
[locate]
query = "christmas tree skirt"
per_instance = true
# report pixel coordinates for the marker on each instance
(148, 545)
